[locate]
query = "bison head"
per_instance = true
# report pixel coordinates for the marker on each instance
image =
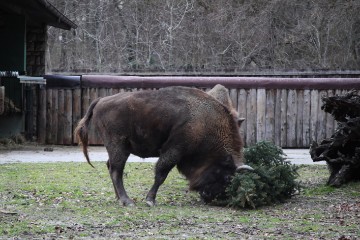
(212, 181)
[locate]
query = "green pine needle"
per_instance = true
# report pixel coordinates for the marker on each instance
(272, 181)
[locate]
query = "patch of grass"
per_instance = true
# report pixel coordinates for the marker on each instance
(353, 189)
(67, 200)
(308, 227)
(320, 190)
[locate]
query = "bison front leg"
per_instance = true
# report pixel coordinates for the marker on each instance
(116, 164)
(164, 165)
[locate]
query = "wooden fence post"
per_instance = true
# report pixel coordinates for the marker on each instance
(41, 127)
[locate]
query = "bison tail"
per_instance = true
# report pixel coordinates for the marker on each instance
(81, 130)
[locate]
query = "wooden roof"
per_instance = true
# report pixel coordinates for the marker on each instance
(37, 12)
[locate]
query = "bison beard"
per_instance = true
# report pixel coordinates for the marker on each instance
(213, 181)
(184, 127)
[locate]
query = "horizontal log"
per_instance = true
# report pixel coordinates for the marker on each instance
(62, 82)
(108, 81)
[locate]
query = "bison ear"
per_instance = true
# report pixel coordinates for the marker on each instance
(239, 121)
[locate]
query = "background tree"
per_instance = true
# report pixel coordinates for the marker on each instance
(206, 36)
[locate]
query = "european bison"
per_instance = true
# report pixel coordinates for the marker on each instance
(184, 127)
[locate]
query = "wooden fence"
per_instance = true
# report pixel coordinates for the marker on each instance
(286, 112)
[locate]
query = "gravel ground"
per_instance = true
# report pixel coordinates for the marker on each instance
(43, 153)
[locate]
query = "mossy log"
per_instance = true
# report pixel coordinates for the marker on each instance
(342, 150)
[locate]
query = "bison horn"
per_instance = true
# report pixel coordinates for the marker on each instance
(240, 121)
(244, 167)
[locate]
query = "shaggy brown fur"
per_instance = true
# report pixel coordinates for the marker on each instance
(184, 127)
(220, 93)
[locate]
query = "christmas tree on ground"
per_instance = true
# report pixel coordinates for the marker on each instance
(272, 181)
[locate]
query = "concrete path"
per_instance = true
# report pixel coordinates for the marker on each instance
(29, 154)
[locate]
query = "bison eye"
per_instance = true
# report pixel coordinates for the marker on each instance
(229, 158)
(227, 178)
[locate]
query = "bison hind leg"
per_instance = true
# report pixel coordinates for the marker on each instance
(116, 192)
(116, 163)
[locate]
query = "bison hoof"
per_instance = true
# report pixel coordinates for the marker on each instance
(128, 203)
(150, 203)
(244, 167)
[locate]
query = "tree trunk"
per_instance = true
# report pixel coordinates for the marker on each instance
(342, 150)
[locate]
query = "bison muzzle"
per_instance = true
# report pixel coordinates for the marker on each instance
(184, 127)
